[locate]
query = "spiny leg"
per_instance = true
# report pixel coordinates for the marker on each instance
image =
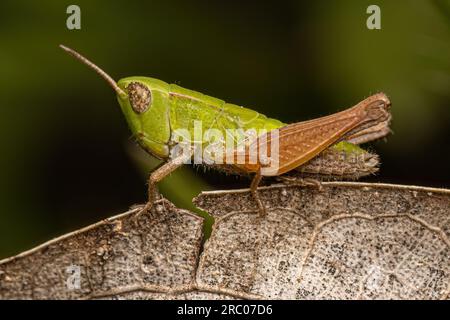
(156, 176)
(254, 190)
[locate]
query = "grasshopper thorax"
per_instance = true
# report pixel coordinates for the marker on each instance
(140, 96)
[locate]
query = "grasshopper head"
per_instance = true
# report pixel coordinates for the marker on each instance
(145, 106)
(144, 101)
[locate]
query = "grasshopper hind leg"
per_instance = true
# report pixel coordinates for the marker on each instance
(300, 181)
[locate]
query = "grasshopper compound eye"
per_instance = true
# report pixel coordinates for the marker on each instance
(140, 96)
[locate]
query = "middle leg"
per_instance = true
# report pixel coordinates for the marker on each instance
(254, 190)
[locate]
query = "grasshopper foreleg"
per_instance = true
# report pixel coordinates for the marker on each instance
(160, 173)
(156, 176)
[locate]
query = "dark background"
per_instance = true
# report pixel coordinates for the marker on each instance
(67, 159)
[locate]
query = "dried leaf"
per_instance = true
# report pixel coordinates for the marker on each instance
(348, 241)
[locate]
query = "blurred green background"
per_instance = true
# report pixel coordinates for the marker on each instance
(67, 159)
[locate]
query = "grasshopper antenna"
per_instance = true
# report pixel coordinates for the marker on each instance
(94, 67)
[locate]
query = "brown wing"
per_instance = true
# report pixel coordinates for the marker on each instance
(302, 141)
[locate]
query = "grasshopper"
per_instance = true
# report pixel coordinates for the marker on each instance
(323, 148)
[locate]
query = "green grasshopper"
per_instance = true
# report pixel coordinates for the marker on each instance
(323, 148)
